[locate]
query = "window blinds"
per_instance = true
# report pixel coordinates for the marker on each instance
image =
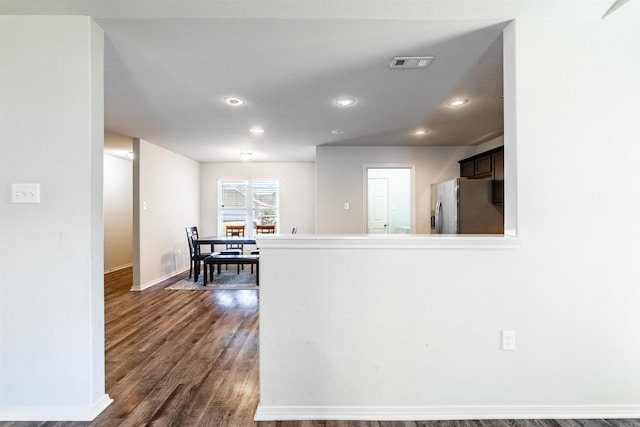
(249, 202)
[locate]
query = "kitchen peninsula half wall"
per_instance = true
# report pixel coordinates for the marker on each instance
(359, 327)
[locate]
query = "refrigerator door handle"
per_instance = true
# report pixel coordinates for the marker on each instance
(438, 217)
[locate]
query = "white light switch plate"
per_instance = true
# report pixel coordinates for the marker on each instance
(25, 193)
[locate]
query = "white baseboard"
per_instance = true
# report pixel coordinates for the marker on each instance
(120, 267)
(425, 413)
(154, 282)
(55, 413)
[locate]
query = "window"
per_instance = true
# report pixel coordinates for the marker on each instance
(248, 202)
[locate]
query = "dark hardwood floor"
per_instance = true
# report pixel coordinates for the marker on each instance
(190, 358)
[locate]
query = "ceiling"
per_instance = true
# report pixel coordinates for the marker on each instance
(169, 65)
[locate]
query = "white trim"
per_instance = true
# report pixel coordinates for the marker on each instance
(157, 280)
(120, 267)
(388, 241)
(423, 413)
(55, 413)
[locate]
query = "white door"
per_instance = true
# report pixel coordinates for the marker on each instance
(378, 211)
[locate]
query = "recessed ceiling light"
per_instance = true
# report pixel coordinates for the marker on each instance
(245, 155)
(337, 131)
(457, 102)
(420, 132)
(256, 130)
(344, 101)
(232, 100)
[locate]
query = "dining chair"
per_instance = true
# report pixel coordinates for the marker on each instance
(263, 229)
(196, 256)
(233, 248)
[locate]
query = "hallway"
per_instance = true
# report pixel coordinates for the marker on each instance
(179, 357)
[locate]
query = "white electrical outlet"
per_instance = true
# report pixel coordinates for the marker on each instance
(508, 340)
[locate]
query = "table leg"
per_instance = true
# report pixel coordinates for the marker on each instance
(204, 272)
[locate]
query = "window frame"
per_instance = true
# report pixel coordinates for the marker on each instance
(249, 214)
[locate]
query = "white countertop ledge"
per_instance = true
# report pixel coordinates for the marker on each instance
(387, 241)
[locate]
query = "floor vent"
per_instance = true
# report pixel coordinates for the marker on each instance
(406, 62)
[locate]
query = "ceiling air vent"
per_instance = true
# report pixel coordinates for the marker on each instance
(411, 62)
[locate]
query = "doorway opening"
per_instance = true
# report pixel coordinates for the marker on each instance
(389, 200)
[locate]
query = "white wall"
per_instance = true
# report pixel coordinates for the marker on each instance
(297, 195)
(415, 332)
(118, 213)
(51, 253)
(166, 200)
(341, 178)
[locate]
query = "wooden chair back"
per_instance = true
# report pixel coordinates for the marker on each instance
(265, 229)
(192, 234)
(234, 230)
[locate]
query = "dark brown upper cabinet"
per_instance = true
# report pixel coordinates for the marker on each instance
(487, 165)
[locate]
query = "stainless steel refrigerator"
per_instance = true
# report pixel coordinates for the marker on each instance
(464, 206)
